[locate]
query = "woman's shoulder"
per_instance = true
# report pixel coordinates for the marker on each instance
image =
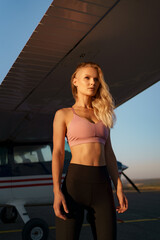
(64, 110)
(63, 113)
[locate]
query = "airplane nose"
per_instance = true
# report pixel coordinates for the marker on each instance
(124, 167)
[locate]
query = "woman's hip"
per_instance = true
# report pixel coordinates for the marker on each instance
(87, 174)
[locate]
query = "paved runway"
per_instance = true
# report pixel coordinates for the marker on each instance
(140, 221)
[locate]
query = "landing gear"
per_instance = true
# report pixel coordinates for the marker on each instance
(35, 229)
(8, 214)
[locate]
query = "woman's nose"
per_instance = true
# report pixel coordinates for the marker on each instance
(93, 81)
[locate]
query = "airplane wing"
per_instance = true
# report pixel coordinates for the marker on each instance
(121, 36)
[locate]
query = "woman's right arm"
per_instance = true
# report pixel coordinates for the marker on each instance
(59, 128)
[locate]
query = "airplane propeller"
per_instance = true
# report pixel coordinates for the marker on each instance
(130, 181)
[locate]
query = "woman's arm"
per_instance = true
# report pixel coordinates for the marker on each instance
(59, 128)
(112, 167)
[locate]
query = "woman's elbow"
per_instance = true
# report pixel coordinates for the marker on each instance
(58, 155)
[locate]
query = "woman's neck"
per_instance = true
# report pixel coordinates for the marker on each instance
(83, 104)
(86, 106)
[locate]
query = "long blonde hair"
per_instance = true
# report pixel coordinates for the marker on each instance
(102, 102)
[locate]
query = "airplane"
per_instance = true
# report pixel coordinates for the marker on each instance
(121, 36)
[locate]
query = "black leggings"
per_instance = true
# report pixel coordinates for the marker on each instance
(88, 187)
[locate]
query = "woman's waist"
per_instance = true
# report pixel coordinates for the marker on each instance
(88, 161)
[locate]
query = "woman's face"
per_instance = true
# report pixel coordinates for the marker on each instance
(86, 81)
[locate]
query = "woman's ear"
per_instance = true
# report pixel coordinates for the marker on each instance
(75, 82)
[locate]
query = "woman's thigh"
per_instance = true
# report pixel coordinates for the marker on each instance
(70, 228)
(104, 220)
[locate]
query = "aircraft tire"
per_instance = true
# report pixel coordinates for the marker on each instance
(8, 214)
(35, 229)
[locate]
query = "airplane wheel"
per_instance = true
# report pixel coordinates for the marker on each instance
(35, 229)
(8, 214)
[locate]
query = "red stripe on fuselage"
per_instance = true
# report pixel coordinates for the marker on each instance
(26, 180)
(27, 185)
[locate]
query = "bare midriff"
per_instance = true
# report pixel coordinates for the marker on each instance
(91, 154)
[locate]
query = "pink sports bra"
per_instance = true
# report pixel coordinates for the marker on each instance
(80, 130)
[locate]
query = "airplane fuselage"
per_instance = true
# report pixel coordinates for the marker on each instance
(25, 173)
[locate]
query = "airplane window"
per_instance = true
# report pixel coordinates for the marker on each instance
(32, 154)
(47, 154)
(3, 156)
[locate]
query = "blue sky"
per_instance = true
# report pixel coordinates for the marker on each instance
(136, 134)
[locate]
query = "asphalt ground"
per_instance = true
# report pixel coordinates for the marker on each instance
(140, 221)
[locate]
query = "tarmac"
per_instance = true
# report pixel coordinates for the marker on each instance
(140, 221)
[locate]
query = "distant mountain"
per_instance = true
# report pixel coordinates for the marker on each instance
(143, 184)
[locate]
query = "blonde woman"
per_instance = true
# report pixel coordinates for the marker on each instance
(87, 184)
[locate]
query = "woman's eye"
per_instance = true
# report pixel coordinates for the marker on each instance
(87, 77)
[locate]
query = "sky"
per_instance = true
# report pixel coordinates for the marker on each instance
(136, 134)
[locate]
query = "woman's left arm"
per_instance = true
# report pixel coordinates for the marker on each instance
(111, 164)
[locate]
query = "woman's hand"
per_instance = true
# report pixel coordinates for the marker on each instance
(60, 206)
(123, 202)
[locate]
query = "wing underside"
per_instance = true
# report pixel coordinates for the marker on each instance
(121, 36)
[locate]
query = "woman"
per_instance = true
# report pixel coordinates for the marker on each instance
(87, 184)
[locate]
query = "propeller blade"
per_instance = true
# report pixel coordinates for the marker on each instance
(129, 180)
